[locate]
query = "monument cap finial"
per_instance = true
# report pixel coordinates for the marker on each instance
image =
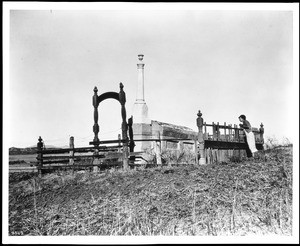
(140, 56)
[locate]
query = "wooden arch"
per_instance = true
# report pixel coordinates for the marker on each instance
(121, 97)
(107, 95)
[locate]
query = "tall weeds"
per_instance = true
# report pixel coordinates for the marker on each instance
(235, 199)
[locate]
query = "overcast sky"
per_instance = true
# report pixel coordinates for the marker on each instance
(225, 63)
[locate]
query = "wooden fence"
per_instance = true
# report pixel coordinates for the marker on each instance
(93, 157)
(214, 143)
(218, 143)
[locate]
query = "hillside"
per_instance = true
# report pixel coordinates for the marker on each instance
(252, 197)
(28, 150)
(22, 151)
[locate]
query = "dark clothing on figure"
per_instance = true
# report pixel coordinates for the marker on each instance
(246, 125)
(248, 151)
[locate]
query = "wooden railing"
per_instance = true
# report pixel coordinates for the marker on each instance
(232, 137)
(230, 133)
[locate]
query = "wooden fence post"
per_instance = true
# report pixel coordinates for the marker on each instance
(236, 133)
(202, 160)
(196, 151)
(71, 154)
(179, 149)
(214, 131)
(225, 135)
(40, 146)
(207, 154)
(218, 131)
(230, 132)
(131, 141)
(96, 126)
(96, 161)
(122, 100)
(158, 149)
(119, 144)
(130, 131)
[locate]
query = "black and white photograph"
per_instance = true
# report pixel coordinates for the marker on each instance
(150, 123)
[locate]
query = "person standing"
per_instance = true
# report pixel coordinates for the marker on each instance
(249, 136)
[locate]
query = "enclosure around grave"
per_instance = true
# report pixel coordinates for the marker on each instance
(204, 147)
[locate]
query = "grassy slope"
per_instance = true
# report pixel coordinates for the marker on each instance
(229, 199)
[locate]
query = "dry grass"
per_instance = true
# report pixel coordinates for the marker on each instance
(252, 197)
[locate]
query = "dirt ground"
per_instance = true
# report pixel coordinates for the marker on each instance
(251, 197)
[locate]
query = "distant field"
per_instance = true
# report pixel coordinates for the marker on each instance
(26, 158)
(13, 159)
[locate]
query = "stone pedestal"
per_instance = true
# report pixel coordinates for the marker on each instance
(142, 131)
(140, 112)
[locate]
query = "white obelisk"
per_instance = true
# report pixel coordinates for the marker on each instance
(140, 108)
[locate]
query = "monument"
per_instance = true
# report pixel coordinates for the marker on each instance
(145, 128)
(141, 122)
(140, 108)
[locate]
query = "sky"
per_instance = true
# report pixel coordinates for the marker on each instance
(222, 62)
